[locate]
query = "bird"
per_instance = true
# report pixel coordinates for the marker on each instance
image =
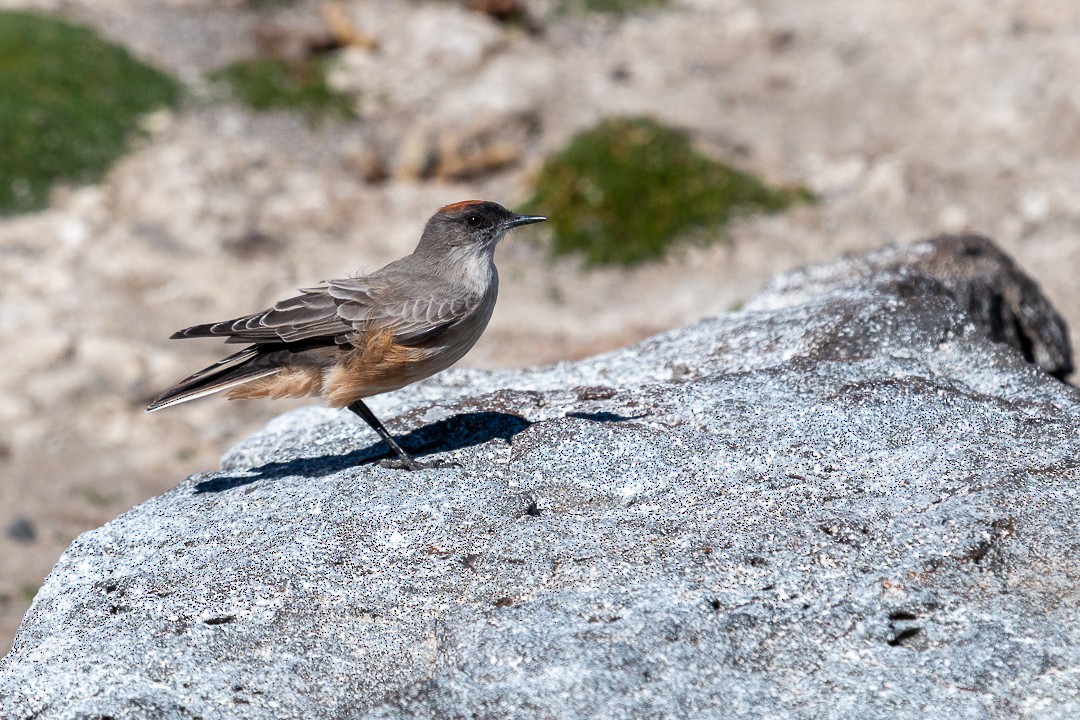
(347, 340)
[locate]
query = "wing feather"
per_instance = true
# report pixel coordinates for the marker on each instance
(339, 309)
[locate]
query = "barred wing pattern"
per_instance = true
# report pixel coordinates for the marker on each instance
(340, 309)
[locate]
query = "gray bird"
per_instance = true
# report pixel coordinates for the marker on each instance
(347, 340)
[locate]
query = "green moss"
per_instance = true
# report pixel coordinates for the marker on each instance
(619, 7)
(274, 84)
(68, 102)
(623, 191)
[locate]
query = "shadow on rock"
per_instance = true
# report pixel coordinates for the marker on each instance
(455, 433)
(605, 417)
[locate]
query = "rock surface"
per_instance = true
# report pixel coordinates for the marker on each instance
(905, 119)
(1000, 298)
(854, 504)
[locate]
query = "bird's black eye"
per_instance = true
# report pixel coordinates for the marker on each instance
(474, 221)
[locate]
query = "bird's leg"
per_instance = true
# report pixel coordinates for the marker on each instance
(363, 411)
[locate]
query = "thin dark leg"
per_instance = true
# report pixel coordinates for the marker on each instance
(363, 411)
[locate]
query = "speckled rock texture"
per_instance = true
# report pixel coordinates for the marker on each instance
(1006, 303)
(851, 505)
(904, 119)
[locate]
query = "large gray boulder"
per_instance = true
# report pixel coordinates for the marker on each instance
(849, 502)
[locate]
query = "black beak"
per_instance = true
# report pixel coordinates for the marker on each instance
(523, 220)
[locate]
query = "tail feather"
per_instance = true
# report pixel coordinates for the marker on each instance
(180, 395)
(226, 373)
(232, 361)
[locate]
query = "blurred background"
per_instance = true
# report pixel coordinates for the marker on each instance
(168, 162)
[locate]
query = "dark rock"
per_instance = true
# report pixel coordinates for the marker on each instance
(853, 505)
(1005, 302)
(21, 529)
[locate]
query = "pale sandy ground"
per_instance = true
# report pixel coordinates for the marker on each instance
(908, 119)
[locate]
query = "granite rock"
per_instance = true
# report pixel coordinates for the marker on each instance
(853, 503)
(999, 296)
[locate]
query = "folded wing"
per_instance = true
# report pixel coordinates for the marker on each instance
(337, 312)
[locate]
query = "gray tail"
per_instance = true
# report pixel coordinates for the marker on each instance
(234, 370)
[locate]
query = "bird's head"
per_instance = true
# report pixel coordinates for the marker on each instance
(475, 224)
